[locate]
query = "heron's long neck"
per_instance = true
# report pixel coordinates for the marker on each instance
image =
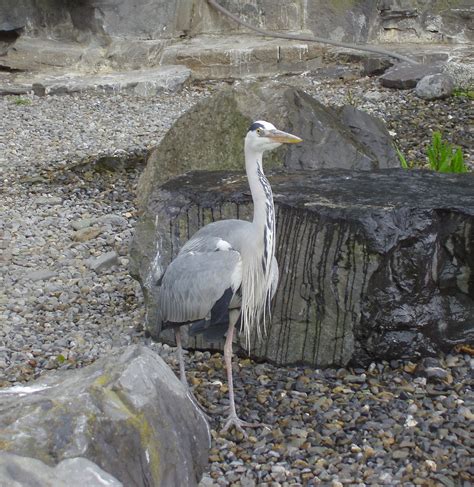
(263, 210)
(258, 254)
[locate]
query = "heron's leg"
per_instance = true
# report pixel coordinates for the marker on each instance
(233, 419)
(182, 374)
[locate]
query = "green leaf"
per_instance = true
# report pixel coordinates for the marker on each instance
(442, 156)
(458, 162)
(403, 161)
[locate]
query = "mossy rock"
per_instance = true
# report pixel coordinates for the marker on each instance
(128, 413)
(210, 135)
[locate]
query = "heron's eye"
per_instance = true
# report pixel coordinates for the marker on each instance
(260, 131)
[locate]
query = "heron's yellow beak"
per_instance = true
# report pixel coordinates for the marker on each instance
(283, 137)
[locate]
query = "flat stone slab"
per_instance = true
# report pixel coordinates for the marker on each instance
(422, 52)
(405, 76)
(30, 53)
(145, 82)
(214, 57)
(373, 265)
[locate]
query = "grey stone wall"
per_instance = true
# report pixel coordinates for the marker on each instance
(95, 19)
(125, 34)
(348, 20)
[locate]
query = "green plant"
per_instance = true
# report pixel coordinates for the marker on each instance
(403, 161)
(60, 359)
(21, 101)
(443, 157)
(464, 93)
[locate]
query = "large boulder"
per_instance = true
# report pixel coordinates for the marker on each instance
(374, 265)
(209, 136)
(405, 76)
(127, 413)
(435, 86)
(18, 471)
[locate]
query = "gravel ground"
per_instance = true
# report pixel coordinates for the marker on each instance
(68, 298)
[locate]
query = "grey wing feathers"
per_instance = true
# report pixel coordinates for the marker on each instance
(195, 281)
(204, 244)
(235, 232)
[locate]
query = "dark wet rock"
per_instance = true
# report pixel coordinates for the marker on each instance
(375, 66)
(377, 265)
(435, 86)
(405, 76)
(18, 470)
(127, 413)
(209, 136)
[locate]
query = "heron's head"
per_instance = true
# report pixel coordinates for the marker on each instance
(263, 136)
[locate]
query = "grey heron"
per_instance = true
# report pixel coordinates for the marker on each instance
(226, 274)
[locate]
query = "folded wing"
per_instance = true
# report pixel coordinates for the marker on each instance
(198, 280)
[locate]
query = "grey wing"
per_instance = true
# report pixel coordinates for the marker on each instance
(195, 281)
(218, 235)
(205, 244)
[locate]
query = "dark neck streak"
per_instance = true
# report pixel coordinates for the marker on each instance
(263, 211)
(269, 224)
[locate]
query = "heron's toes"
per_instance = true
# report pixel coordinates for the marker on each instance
(239, 425)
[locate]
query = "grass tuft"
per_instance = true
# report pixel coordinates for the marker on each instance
(442, 156)
(19, 101)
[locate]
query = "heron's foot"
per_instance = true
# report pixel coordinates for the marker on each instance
(239, 424)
